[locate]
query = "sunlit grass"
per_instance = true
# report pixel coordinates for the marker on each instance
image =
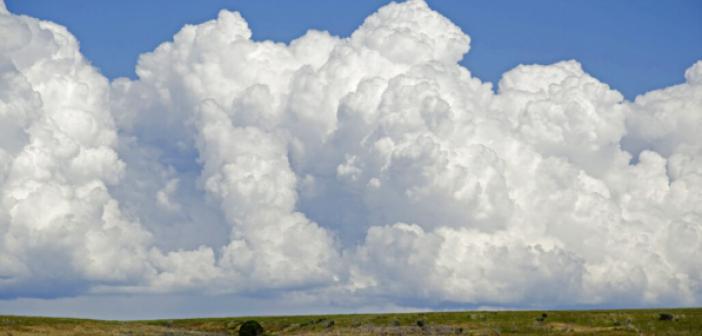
(605, 322)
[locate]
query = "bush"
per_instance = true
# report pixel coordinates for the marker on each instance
(665, 317)
(250, 328)
(542, 317)
(327, 323)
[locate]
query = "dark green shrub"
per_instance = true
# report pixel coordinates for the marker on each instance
(250, 328)
(665, 317)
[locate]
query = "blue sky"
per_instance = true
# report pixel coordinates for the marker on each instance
(634, 46)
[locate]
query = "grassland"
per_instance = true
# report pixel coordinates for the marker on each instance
(603, 322)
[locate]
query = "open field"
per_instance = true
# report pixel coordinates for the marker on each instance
(605, 322)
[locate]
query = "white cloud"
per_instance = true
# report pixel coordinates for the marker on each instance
(164, 197)
(60, 226)
(372, 169)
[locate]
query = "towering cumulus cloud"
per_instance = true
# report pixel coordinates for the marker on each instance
(61, 231)
(368, 169)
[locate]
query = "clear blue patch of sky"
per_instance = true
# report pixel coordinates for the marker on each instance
(634, 46)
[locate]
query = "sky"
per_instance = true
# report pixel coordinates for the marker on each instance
(635, 47)
(250, 159)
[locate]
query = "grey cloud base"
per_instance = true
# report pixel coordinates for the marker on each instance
(370, 170)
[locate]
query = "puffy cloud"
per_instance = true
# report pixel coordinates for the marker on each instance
(165, 195)
(666, 120)
(366, 168)
(411, 33)
(62, 232)
(562, 111)
(247, 171)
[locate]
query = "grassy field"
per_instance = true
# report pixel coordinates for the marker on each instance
(605, 322)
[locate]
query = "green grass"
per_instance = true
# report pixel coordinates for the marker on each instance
(597, 322)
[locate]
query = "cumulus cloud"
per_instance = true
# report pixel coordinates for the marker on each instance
(372, 167)
(60, 226)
